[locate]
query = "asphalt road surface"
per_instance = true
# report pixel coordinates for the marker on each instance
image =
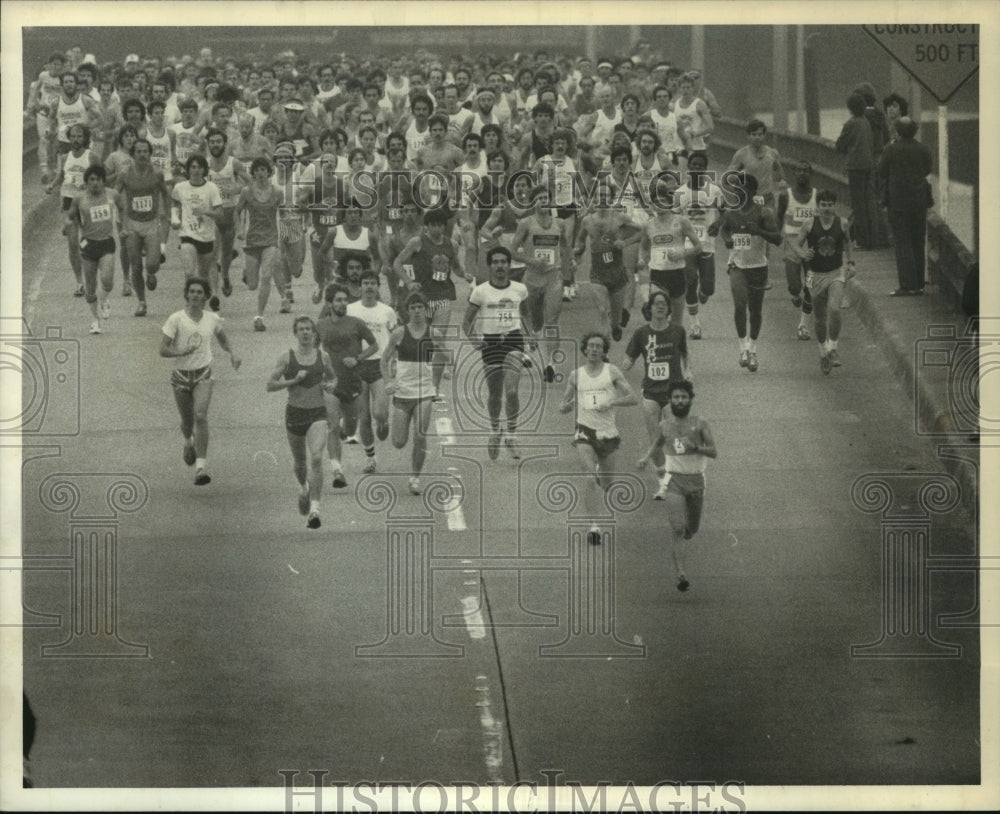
(182, 636)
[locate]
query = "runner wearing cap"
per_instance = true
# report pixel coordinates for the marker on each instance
(298, 131)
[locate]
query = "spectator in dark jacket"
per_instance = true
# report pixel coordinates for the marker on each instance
(904, 168)
(855, 142)
(895, 107)
(880, 137)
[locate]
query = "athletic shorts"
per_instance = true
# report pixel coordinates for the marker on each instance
(348, 387)
(435, 306)
(610, 275)
(187, 380)
(143, 228)
(408, 404)
(754, 277)
(660, 398)
(602, 446)
(673, 281)
(369, 370)
(94, 250)
(497, 346)
(256, 252)
(819, 281)
(203, 247)
(298, 420)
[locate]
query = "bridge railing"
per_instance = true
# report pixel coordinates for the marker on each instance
(948, 259)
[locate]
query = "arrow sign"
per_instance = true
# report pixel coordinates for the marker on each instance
(939, 57)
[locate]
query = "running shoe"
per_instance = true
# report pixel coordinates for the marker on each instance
(438, 398)
(414, 486)
(702, 298)
(512, 448)
(79, 291)
(258, 324)
(565, 293)
(824, 364)
(141, 310)
(214, 303)
(286, 306)
(227, 286)
(687, 533)
(201, 477)
(369, 466)
(626, 316)
(382, 430)
(834, 358)
(682, 583)
(352, 439)
(303, 503)
(46, 179)
(550, 374)
(313, 521)
(126, 289)
(594, 536)
(744, 358)
(106, 309)
(696, 330)
(752, 362)
(95, 326)
(661, 493)
(151, 280)
(290, 295)
(190, 456)
(339, 481)
(803, 333)
(493, 446)
(163, 258)
(797, 301)
(616, 332)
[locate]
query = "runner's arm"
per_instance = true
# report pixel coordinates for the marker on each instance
(277, 380)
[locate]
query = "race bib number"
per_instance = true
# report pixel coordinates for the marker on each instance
(100, 213)
(595, 399)
(758, 199)
(195, 223)
(607, 257)
(547, 256)
(74, 178)
(408, 271)
(327, 220)
(658, 371)
(802, 213)
(700, 231)
(660, 256)
(679, 446)
(142, 203)
(388, 230)
(810, 279)
(394, 213)
(741, 240)
(160, 162)
(506, 320)
(440, 268)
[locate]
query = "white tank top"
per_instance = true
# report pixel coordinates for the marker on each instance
(562, 172)
(798, 213)
(225, 180)
(160, 158)
(416, 141)
(73, 170)
(691, 112)
(593, 391)
(359, 244)
(604, 128)
(68, 114)
(662, 239)
(666, 129)
(185, 139)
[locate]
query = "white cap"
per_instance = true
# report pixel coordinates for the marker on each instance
(131, 58)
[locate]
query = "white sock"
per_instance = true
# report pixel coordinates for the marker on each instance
(314, 506)
(199, 463)
(335, 464)
(822, 348)
(833, 343)
(744, 344)
(752, 346)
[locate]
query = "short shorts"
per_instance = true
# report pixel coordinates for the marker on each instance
(819, 281)
(187, 380)
(602, 446)
(497, 346)
(203, 247)
(369, 370)
(660, 398)
(298, 420)
(94, 250)
(608, 272)
(673, 281)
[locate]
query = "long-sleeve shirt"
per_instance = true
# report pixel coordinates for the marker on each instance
(904, 168)
(855, 142)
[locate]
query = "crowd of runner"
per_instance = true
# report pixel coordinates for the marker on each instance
(401, 181)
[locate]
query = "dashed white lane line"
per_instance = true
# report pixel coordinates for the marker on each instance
(473, 618)
(454, 515)
(492, 732)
